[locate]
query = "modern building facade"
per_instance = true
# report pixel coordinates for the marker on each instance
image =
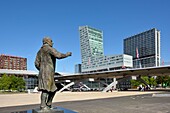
(106, 63)
(78, 68)
(92, 52)
(144, 47)
(13, 62)
(91, 42)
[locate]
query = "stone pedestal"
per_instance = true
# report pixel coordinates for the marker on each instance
(55, 110)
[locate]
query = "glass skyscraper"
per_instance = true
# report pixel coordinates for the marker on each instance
(144, 47)
(78, 68)
(91, 44)
(92, 52)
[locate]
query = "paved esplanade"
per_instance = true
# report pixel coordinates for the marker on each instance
(34, 98)
(92, 102)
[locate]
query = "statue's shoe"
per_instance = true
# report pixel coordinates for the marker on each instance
(50, 106)
(46, 108)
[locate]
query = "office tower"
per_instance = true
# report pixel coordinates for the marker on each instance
(13, 62)
(78, 68)
(144, 47)
(92, 52)
(91, 43)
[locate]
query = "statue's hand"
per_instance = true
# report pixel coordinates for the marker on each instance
(68, 53)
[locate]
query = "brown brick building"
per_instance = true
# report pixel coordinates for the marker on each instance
(13, 62)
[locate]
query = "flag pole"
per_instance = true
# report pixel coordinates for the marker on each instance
(137, 56)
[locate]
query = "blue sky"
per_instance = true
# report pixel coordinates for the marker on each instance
(23, 24)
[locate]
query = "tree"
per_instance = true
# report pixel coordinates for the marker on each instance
(149, 80)
(12, 83)
(163, 80)
(135, 83)
(152, 81)
(20, 84)
(146, 79)
(5, 82)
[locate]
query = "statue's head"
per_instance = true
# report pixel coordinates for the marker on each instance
(48, 40)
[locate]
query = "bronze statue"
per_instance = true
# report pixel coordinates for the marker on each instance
(45, 62)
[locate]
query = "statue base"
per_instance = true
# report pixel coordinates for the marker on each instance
(55, 110)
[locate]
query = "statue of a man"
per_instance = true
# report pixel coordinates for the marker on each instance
(45, 62)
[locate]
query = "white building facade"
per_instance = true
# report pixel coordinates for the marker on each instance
(106, 63)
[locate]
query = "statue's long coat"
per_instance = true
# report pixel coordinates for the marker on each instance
(45, 63)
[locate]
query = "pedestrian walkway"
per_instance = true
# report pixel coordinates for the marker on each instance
(7, 100)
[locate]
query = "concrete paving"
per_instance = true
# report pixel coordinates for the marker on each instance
(92, 102)
(7, 100)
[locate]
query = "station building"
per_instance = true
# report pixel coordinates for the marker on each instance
(30, 77)
(94, 60)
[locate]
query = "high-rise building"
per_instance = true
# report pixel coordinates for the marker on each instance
(91, 41)
(13, 62)
(78, 68)
(92, 52)
(144, 47)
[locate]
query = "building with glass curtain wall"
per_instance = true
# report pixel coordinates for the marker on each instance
(92, 52)
(146, 45)
(78, 68)
(91, 42)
